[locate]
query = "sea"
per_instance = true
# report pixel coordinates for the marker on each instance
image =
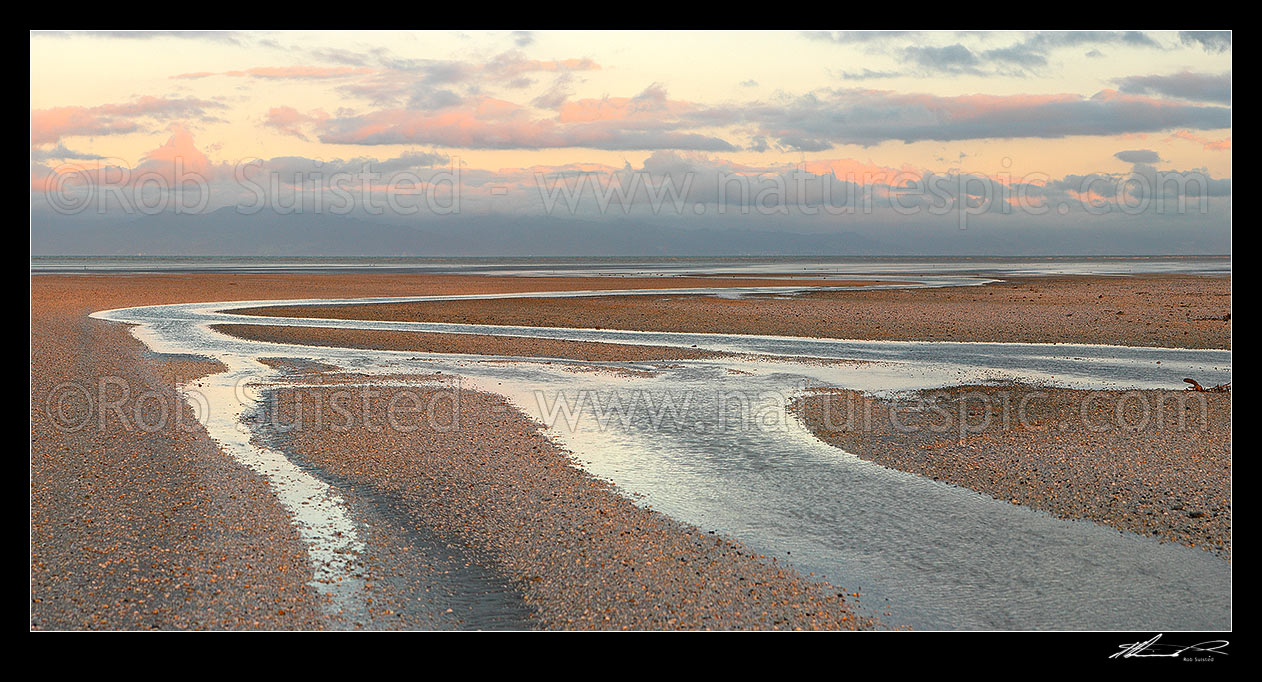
(642, 266)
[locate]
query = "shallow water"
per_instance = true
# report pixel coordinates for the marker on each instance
(643, 266)
(930, 555)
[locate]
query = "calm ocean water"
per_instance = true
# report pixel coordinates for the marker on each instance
(627, 266)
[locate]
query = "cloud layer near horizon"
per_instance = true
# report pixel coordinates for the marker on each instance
(955, 105)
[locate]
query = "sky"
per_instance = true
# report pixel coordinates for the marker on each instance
(1029, 127)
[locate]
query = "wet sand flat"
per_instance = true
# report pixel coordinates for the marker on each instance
(137, 520)
(1156, 463)
(497, 345)
(1183, 311)
(582, 555)
(117, 290)
(474, 344)
(157, 528)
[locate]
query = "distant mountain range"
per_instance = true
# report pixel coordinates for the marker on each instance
(225, 232)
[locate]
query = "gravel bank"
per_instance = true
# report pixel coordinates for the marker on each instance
(1156, 463)
(474, 344)
(1181, 311)
(137, 520)
(159, 529)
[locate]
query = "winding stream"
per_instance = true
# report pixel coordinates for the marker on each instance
(922, 553)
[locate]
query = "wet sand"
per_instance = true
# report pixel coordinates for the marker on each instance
(156, 528)
(481, 475)
(137, 520)
(1156, 463)
(473, 344)
(496, 345)
(1181, 311)
(133, 529)
(111, 291)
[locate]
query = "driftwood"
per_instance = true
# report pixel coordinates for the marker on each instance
(1221, 388)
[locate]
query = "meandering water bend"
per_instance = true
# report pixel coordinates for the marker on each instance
(927, 554)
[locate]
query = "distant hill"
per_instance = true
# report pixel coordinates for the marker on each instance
(225, 232)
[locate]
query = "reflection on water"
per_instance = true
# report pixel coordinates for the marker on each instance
(934, 555)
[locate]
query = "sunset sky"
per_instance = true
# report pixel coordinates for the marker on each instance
(1046, 107)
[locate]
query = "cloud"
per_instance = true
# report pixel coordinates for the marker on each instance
(287, 168)
(649, 120)
(1209, 145)
(512, 64)
(50, 125)
(180, 165)
(286, 72)
(852, 37)
(1196, 87)
(411, 160)
(523, 38)
(434, 84)
(175, 165)
(60, 152)
(290, 121)
(813, 122)
(651, 104)
(556, 95)
(179, 149)
(1138, 156)
(668, 184)
(1016, 55)
(784, 189)
(1210, 41)
(868, 74)
(950, 59)
(478, 129)
(820, 120)
(973, 53)
(1143, 181)
(230, 37)
(1035, 50)
(1049, 40)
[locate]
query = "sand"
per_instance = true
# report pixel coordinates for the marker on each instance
(156, 528)
(137, 522)
(473, 344)
(1150, 310)
(1156, 463)
(159, 529)
(485, 479)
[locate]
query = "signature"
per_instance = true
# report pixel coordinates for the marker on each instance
(1152, 649)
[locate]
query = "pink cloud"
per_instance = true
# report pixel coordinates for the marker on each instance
(646, 121)
(514, 64)
(50, 125)
(852, 170)
(290, 121)
(179, 149)
(1223, 145)
(648, 105)
(177, 161)
(495, 124)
